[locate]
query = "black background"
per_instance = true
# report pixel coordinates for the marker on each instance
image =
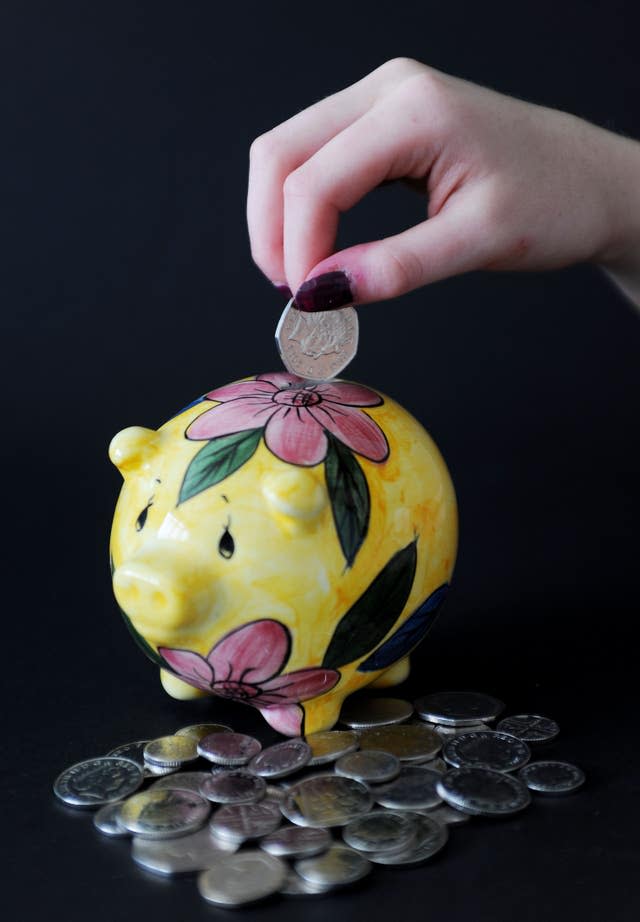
(128, 289)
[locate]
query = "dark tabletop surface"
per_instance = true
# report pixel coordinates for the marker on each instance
(128, 290)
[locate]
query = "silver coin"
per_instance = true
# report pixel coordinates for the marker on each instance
(407, 742)
(281, 760)
(98, 781)
(198, 731)
(245, 877)
(329, 745)
(532, 728)
(181, 781)
(107, 821)
(133, 751)
(371, 766)
(360, 713)
(163, 814)
(458, 709)
(169, 751)
(318, 345)
(158, 771)
(497, 751)
(381, 831)
(481, 791)
(326, 800)
(193, 852)
(446, 732)
(241, 822)
(447, 815)
(228, 748)
(274, 794)
(234, 787)
(431, 837)
(551, 777)
(337, 867)
(294, 885)
(413, 789)
(296, 841)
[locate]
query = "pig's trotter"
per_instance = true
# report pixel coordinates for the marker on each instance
(179, 689)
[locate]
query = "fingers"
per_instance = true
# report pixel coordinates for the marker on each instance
(277, 153)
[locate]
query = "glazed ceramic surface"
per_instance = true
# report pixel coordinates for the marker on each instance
(282, 543)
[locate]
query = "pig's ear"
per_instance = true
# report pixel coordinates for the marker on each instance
(299, 496)
(132, 448)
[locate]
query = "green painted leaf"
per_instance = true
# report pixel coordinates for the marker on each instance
(349, 495)
(146, 647)
(373, 615)
(219, 458)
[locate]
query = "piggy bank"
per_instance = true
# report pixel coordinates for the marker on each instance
(283, 543)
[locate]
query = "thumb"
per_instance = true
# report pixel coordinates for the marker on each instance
(454, 241)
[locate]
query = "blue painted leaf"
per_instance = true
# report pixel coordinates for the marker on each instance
(409, 635)
(219, 458)
(349, 495)
(372, 616)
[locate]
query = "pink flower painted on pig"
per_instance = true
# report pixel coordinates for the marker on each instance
(245, 666)
(296, 416)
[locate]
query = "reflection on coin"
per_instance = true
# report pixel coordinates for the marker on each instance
(233, 787)
(551, 777)
(281, 760)
(326, 800)
(437, 765)
(133, 751)
(329, 745)
(98, 781)
(193, 852)
(381, 831)
(163, 814)
(152, 770)
(170, 751)
(431, 837)
(182, 781)
(407, 742)
(497, 751)
(107, 821)
(482, 791)
(294, 885)
(443, 813)
(296, 841)
(446, 732)
(371, 766)
(413, 789)
(245, 877)
(198, 731)
(532, 728)
(318, 345)
(336, 867)
(228, 748)
(360, 713)
(458, 708)
(240, 822)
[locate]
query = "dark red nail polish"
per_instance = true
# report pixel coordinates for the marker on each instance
(324, 293)
(284, 290)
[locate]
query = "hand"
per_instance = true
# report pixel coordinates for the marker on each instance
(510, 185)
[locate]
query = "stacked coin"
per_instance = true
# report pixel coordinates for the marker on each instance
(306, 816)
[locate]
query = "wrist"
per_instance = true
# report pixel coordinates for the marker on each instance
(619, 252)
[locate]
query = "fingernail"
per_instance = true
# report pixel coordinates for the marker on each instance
(324, 293)
(284, 290)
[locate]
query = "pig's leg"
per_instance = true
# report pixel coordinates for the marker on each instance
(393, 675)
(179, 689)
(321, 713)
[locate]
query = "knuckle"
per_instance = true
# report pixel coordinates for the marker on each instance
(264, 147)
(299, 183)
(402, 65)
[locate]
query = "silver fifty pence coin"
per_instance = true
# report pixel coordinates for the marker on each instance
(329, 745)
(319, 345)
(431, 838)
(229, 748)
(193, 852)
(326, 800)
(359, 713)
(337, 867)
(408, 742)
(497, 751)
(296, 841)
(241, 822)
(371, 766)
(170, 751)
(552, 777)
(237, 786)
(457, 708)
(95, 782)
(107, 821)
(281, 759)
(381, 831)
(532, 728)
(241, 878)
(482, 791)
(164, 813)
(413, 789)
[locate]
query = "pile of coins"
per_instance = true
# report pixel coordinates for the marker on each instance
(306, 816)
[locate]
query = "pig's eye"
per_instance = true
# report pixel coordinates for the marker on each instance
(226, 545)
(142, 518)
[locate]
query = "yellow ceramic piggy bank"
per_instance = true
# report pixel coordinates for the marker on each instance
(283, 543)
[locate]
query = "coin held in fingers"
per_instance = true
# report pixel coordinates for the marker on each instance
(317, 346)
